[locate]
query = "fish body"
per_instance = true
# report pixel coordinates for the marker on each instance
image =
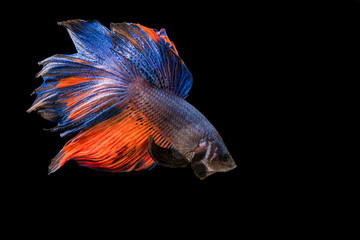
(177, 121)
(124, 93)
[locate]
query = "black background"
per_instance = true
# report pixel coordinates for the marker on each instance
(228, 48)
(210, 42)
(241, 56)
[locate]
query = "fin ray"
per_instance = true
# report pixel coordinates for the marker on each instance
(155, 55)
(87, 93)
(118, 144)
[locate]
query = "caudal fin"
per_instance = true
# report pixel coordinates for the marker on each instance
(85, 88)
(87, 93)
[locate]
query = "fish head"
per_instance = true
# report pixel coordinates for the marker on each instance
(210, 158)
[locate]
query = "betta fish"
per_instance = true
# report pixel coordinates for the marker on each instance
(122, 96)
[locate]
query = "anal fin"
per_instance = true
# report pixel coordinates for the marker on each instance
(166, 157)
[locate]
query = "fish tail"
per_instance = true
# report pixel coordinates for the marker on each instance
(85, 88)
(87, 93)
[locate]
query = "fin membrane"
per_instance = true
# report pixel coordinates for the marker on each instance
(154, 55)
(166, 157)
(90, 86)
(86, 93)
(118, 144)
(85, 88)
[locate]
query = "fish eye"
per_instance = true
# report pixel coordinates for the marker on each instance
(225, 157)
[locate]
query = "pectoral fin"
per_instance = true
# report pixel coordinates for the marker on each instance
(200, 163)
(166, 157)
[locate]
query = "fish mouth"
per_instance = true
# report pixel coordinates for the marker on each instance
(227, 167)
(233, 166)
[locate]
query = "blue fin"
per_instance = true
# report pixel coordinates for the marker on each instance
(85, 88)
(90, 86)
(87, 92)
(154, 55)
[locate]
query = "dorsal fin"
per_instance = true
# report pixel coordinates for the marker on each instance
(154, 55)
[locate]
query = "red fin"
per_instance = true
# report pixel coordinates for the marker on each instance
(70, 81)
(118, 144)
